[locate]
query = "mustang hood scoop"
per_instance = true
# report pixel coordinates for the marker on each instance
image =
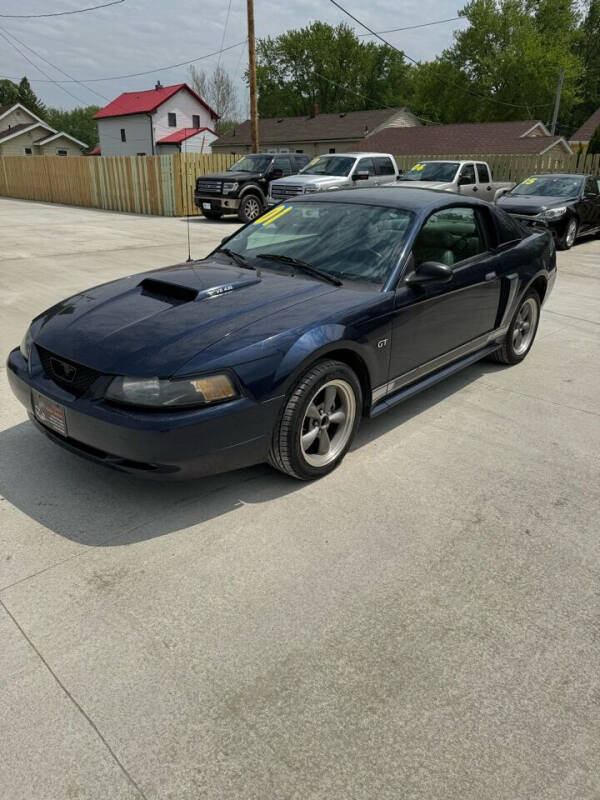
(176, 293)
(136, 325)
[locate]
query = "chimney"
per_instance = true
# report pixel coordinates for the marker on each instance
(314, 109)
(158, 85)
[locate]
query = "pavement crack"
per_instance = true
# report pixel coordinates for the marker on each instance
(77, 705)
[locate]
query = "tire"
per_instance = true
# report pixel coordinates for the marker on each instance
(306, 443)
(567, 240)
(212, 214)
(251, 208)
(517, 342)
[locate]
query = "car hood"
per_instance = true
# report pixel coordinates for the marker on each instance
(312, 180)
(531, 204)
(155, 322)
(231, 176)
(423, 184)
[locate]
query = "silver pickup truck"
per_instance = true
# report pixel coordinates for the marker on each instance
(463, 177)
(335, 171)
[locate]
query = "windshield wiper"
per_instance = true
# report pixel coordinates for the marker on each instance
(239, 260)
(308, 268)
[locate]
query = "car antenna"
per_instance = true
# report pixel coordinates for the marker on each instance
(185, 188)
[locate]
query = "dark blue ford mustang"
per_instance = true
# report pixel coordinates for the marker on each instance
(324, 310)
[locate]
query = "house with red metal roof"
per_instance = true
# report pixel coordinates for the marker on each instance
(162, 120)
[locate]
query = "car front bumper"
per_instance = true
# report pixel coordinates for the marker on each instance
(222, 204)
(183, 444)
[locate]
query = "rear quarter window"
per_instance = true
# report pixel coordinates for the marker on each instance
(508, 229)
(384, 166)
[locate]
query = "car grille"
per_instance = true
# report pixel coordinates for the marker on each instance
(72, 377)
(285, 190)
(211, 187)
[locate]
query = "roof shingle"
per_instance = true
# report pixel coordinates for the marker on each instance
(587, 130)
(482, 138)
(352, 125)
(145, 102)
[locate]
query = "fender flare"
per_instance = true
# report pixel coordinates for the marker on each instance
(252, 187)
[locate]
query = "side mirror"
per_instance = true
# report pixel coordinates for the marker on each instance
(464, 180)
(275, 174)
(360, 176)
(429, 272)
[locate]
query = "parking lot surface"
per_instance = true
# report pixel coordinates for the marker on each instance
(423, 623)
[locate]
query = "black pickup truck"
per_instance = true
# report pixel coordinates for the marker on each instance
(244, 187)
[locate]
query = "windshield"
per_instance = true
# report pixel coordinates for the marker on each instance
(347, 240)
(442, 171)
(251, 164)
(329, 165)
(550, 186)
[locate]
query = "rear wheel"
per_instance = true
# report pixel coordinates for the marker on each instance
(567, 240)
(251, 208)
(319, 421)
(523, 328)
(212, 214)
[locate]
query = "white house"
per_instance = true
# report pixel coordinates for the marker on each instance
(22, 133)
(162, 120)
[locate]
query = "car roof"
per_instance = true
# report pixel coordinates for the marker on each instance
(356, 155)
(400, 197)
(559, 175)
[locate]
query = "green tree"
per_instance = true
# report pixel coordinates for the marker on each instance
(588, 45)
(9, 92)
(79, 122)
(329, 66)
(28, 98)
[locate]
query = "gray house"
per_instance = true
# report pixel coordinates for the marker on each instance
(314, 134)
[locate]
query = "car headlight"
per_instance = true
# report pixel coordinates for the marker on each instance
(25, 346)
(310, 189)
(554, 213)
(176, 393)
(230, 186)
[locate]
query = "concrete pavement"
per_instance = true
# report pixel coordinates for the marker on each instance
(423, 623)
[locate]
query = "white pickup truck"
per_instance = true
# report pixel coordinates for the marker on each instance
(463, 177)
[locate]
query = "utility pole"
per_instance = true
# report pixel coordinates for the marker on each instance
(252, 77)
(556, 102)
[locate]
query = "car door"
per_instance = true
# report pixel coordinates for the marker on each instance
(437, 323)
(366, 165)
(590, 205)
(484, 183)
(283, 164)
(384, 169)
(467, 181)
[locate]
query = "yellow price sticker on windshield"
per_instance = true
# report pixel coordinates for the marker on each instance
(418, 167)
(529, 180)
(313, 162)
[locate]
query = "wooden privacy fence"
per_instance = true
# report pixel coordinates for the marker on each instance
(164, 185)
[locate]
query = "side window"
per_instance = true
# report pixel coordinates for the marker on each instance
(384, 166)
(483, 173)
(195, 121)
(449, 237)
(299, 162)
(508, 229)
(123, 135)
(366, 165)
(467, 174)
(282, 163)
(172, 118)
(591, 186)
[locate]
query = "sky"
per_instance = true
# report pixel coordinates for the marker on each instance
(140, 35)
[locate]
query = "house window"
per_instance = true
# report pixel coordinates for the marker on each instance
(28, 151)
(299, 151)
(123, 136)
(332, 149)
(61, 152)
(172, 120)
(195, 120)
(140, 154)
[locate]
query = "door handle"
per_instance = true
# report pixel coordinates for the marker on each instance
(474, 188)
(490, 276)
(489, 188)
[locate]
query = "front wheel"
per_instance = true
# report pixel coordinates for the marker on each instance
(319, 421)
(519, 339)
(567, 240)
(251, 208)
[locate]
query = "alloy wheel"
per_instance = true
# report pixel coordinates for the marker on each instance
(571, 232)
(524, 327)
(251, 208)
(328, 423)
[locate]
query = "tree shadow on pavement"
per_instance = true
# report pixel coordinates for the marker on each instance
(95, 506)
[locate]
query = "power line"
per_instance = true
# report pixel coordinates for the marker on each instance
(147, 72)
(447, 83)
(61, 13)
(413, 27)
(224, 33)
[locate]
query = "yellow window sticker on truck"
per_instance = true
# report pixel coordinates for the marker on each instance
(417, 167)
(529, 180)
(273, 215)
